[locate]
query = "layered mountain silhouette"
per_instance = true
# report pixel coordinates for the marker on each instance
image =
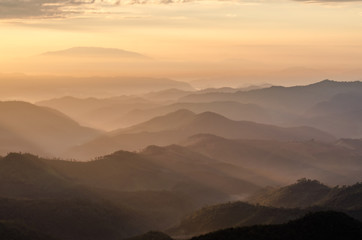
(200, 168)
(307, 193)
(39, 129)
(293, 99)
(235, 214)
(341, 115)
(101, 113)
(100, 194)
(177, 126)
(231, 110)
(178, 160)
(281, 161)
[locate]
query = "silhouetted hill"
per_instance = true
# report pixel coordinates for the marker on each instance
(171, 94)
(12, 142)
(345, 197)
(307, 193)
(27, 176)
(304, 193)
(314, 226)
(294, 99)
(209, 122)
(151, 236)
(199, 168)
(13, 231)
(72, 218)
(283, 161)
(122, 171)
(340, 115)
(96, 52)
(231, 110)
(166, 122)
(103, 113)
(233, 214)
(152, 188)
(48, 129)
(177, 126)
(24, 176)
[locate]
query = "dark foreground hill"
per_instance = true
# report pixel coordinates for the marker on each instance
(128, 193)
(235, 214)
(314, 226)
(13, 231)
(73, 219)
(152, 235)
(306, 193)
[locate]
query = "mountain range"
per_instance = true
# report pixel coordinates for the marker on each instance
(177, 126)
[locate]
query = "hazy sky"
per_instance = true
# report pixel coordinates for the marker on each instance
(187, 37)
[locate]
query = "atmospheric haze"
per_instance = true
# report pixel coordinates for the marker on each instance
(180, 119)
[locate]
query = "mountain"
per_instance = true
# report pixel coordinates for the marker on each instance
(12, 142)
(101, 113)
(40, 128)
(27, 176)
(294, 99)
(305, 193)
(283, 162)
(172, 168)
(127, 184)
(345, 197)
(122, 171)
(95, 52)
(179, 125)
(10, 230)
(341, 115)
(72, 218)
(201, 169)
(171, 94)
(235, 214)
(313, 226)
(231, 110)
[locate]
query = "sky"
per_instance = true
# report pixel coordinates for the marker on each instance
(186, 39)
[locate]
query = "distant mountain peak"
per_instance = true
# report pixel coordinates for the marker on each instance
(209, 114)
(328, 82)
(181, 112)
(95, 52)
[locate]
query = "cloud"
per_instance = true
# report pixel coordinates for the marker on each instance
(25, 9)
(40, 8)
